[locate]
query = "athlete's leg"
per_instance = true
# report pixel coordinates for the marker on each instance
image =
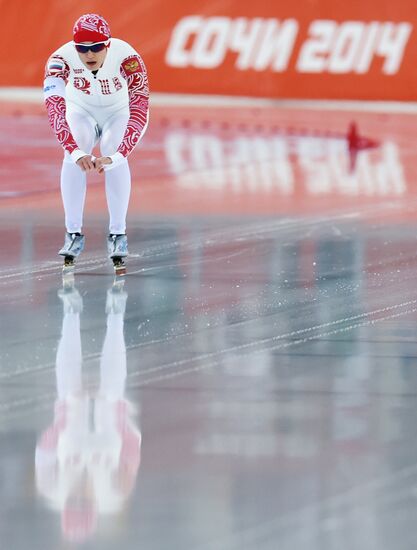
(118, 181)
(73, 179)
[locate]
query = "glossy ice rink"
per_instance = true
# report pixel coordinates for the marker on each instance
(252, 382)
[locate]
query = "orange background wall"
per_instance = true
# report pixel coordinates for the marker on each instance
(32, 30)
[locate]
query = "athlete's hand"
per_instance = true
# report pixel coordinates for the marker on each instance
(100, 162)
(86, 163)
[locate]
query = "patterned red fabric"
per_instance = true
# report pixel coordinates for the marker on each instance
(91, 28)
(134, 72)
(56, 108)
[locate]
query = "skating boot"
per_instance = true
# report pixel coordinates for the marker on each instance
(117, 250)
(73, 246)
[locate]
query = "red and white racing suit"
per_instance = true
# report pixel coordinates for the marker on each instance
(110, 106)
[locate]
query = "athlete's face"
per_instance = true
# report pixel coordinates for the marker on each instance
(92, 60)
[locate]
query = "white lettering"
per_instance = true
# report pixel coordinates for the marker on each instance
(206, 152)
(210, 46)
(204, 43)
(268, 44)
(346, 47)
(392, 44)
(352, 46)
(367, 48)
(276, 45)
(390, 174)
(268, 165)
(178, 52)
(245, 37)
(312, 58)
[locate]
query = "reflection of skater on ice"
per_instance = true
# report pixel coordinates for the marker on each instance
(88, 459)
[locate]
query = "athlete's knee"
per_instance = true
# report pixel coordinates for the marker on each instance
(112, 135)
(108, 147)
(84, 133)
(85, 142)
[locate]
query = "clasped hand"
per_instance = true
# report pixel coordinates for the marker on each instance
(88, 163)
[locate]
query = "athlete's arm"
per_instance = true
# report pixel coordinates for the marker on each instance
(133, 71)
(56, 77)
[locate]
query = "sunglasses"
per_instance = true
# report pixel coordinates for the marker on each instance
(84, 48)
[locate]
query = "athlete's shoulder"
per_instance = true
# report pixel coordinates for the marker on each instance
(60, 62)
(61, 59)
(129, 59)
(66, 51)
(123, 48)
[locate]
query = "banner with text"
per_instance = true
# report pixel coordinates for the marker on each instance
(307, 49)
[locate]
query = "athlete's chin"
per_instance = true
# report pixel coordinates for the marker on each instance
(92, 65)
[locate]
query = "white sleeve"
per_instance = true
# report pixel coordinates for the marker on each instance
(53, 85)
